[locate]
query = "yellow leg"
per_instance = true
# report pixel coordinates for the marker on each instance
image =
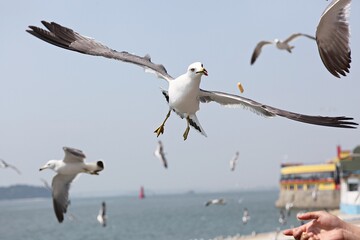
(160, 130)
(186, 133)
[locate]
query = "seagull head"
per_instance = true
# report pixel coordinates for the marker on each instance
(49, 165)
(197, 68)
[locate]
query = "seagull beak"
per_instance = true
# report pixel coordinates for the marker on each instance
(42, 168)
(203, 71)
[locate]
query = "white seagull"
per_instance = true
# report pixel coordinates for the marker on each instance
(332, 37)
(101, 217)
(159, 153)
(246, 216)
(217, 201)
(67, 169)
(4, 164)
(184, 94)
(282, 45)
(234, 161)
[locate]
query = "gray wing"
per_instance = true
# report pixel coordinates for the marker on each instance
(15, 169)
(67, 38)
(332, 36)
(160, 154)
(257, 50)
(60, 194)
(232, 100)
(295, 35)
(73, 155)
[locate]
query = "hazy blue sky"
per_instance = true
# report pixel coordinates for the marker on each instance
(50, 97)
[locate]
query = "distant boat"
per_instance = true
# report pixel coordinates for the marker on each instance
(141, 193)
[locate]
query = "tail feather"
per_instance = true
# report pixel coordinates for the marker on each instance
(94, 168)
(194, 122)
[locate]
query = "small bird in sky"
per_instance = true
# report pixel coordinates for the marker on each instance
(4, 164)
(233, 161)
(159, 153)
(282, 45)
(67, 169)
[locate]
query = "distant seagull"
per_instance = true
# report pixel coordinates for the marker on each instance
(233, 161)
(282, 45)
(159, 153)
(333, 36)
(217, 201)
(314, 194)
(246, 216)
(288, 207)
(101, 217)
(4, 164)
(282, 217)
(184, 93)
(67, 169)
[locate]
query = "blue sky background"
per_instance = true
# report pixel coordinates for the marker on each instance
(50, 97)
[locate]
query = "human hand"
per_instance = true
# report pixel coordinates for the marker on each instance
(323, 225)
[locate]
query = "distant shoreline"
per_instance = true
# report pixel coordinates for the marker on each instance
(22, 191)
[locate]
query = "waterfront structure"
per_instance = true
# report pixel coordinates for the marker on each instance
(311, 186)
(350, 183)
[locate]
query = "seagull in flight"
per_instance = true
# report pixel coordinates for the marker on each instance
(217, 201)
(332, 37)
(234, 161)
(67, 169)
(4, 164)
(184, 93)
(282, 45)
(101, 217)
(159, 153)
(246, 216)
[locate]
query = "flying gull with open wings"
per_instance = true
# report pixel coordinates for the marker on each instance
(160, 154)
(4, 164)
(184, 93)
(282, 45)
(67, 169)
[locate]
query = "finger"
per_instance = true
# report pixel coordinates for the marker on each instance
(288, 232)
(298, 232)
(309, 215)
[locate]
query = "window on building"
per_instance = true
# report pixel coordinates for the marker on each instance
(353, 187)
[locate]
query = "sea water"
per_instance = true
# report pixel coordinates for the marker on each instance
(160, 217)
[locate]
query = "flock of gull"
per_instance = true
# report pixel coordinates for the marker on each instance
(184, 94)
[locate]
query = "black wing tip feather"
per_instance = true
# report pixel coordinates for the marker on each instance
(59, 213)
(55, 34)
(338, 122)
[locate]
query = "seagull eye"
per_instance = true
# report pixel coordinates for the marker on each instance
(192, 69)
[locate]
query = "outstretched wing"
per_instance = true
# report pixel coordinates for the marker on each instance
(73, 155)
(332, 36)
(230, 100)
(295, 35)
(60, 193)
(257, 50)
(69, 39)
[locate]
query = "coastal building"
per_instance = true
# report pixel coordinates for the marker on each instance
(350, 183)
(309, 186)
(331, 185)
